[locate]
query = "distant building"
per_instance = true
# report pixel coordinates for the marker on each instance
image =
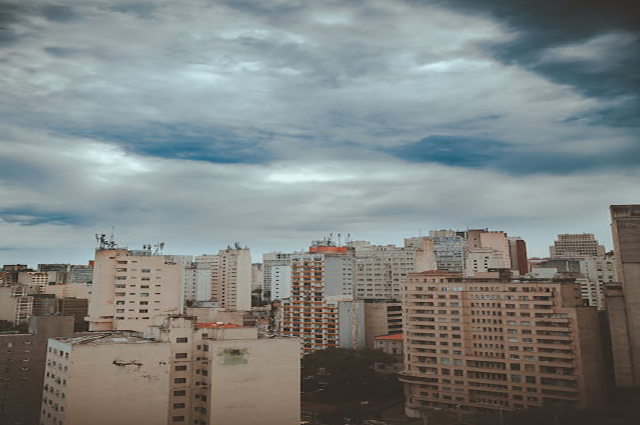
(486, 250)
(16, 303)
(623, 300)
(22, 362)
(180, 371)
(321, 310)
(576, 245)
(276, 275)
(380, 269)
(449, 247)
(231, 279)
(381, 318)
(497, 343)
(390, 344)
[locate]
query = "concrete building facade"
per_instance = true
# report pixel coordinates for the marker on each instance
(231, 279)
(576, 245)
(380, 269)
(130, 288)
(623, 301)
(495, 343)
(178, 371)
(22, 366)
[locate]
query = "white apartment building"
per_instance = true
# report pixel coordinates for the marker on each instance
(380, 269)
(129, 290)
(181, 371)
(598, 271)
(38, 280)
(276, 266)
(480, 260)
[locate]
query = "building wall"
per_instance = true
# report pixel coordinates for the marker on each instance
(626, 240)
(262, 382)
(22, 364)
(128, 290)
(495, 343)
(106, 382)
(381, 318)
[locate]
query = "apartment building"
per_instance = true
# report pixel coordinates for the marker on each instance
(449, 247)
(178, 371)
(16, 303)
(497, 343)
(597, 271)
(231, 278)
(486, 249)
(22, 362)
(321, 310)
(576, 245)
(276, 275)
(380, 269)
(130, 288)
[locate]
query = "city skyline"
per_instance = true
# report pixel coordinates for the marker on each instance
(275, 123)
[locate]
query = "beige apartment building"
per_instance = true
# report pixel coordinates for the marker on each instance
(497, 343)
(576, 245)
(130, 288)
(231, 279)
(179, 371)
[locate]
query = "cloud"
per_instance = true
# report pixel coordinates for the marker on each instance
(202, 123)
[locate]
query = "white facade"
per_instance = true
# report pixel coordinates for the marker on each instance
(481, 260)
(280, 282)
(16, 306)
(597, 271)
(270, 260)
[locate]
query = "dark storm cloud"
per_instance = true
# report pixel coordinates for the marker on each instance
(470, 152)
(189, 142)
(544, 25)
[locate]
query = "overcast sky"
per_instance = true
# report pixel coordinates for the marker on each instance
(274, 122)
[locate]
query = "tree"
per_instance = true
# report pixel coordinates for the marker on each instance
(349, 374)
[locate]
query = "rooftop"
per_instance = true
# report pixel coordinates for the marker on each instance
(104, 338)
(393, 337)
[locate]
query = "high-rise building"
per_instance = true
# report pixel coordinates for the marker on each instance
(623, 301)
(597, 271)
(380, 269)
(179, 371)
(322, 311)
(131, 287)
(276, 275)
(449, 247)
(22, 362)
(486, 250)
(16, 303)
(497, 343)
(231, 279)
(576, 245)
(518, 255)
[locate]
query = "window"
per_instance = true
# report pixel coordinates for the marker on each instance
(180, 380)
(179, 393)
(182, 339)
(181, 355)
(144, 294)
(178, 405)
(180, 368)
(177, 419)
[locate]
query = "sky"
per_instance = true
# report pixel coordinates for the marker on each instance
(200, 123)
